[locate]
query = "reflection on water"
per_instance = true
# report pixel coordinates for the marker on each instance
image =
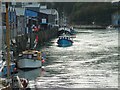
(92, 62)
(30, 74)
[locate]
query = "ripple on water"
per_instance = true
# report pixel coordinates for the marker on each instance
(90, 63)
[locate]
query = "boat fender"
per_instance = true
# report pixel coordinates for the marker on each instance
(15, 69)
(5, 83)
(24, 83)
(38, 58)
(43, 60)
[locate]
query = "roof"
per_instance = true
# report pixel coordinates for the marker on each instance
(115, 1)
(3, 9)
(32, 5)
(49, 11)
(36, 9)
(31, 13)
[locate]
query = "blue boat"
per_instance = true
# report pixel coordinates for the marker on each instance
(3, 69)
(64, 41)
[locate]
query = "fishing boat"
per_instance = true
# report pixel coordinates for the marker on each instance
(72, 31)
(64, 41)
(30, 74)
(66, 30)
(30, 59)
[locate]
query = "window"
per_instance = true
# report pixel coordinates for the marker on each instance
(24, 56)
(29, 56)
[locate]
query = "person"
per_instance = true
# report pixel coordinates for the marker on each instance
(38, 27)
(32, 27)
(28, 44)
(43, 55)
(35, 29)
(36, 41)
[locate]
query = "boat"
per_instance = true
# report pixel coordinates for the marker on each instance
(3, 68)
(64, 41)
(30, 59)
(66, 30)
(6, 66)
(110, 27)
(19, 83)
(30, 74)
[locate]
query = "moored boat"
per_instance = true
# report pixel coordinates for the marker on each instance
(66, 30)
(64, 41)
(30, 59)
(110, 27)
(3, 68)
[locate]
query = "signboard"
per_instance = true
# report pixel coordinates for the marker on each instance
(44, 21)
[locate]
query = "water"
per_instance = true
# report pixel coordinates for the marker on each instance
(92, 62)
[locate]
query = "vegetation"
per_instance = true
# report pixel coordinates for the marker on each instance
(86, 12)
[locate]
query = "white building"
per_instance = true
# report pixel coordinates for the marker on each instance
(53, 16)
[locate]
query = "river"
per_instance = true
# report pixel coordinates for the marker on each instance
(91, 62)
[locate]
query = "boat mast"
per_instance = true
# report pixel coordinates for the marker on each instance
(63, 21)
(7, 41)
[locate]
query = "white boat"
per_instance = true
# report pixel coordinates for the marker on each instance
(30, 59)
(66, 30)
(30, 74)
(110, 27)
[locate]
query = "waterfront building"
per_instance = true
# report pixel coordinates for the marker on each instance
(21, 21)
(116, 14)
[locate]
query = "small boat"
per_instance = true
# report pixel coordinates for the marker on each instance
(110, 27)
(3, 65)
(64, 41)
(19, 83)
(3, 68)
(30, 59)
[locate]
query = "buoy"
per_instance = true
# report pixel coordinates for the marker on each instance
(24, 82)
(43, 61)
(15, 69)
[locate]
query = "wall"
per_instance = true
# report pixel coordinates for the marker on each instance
(44, 36)
(115, 18)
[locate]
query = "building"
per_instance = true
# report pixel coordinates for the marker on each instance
(53, 16)
(46, 17)
(116, 14)
(116, 19)
(21, 21)
(12, 21)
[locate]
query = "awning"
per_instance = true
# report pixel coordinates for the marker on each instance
(31, 13)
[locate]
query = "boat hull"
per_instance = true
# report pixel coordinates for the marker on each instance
(3, 72)
(29, 63)
(64, 43)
